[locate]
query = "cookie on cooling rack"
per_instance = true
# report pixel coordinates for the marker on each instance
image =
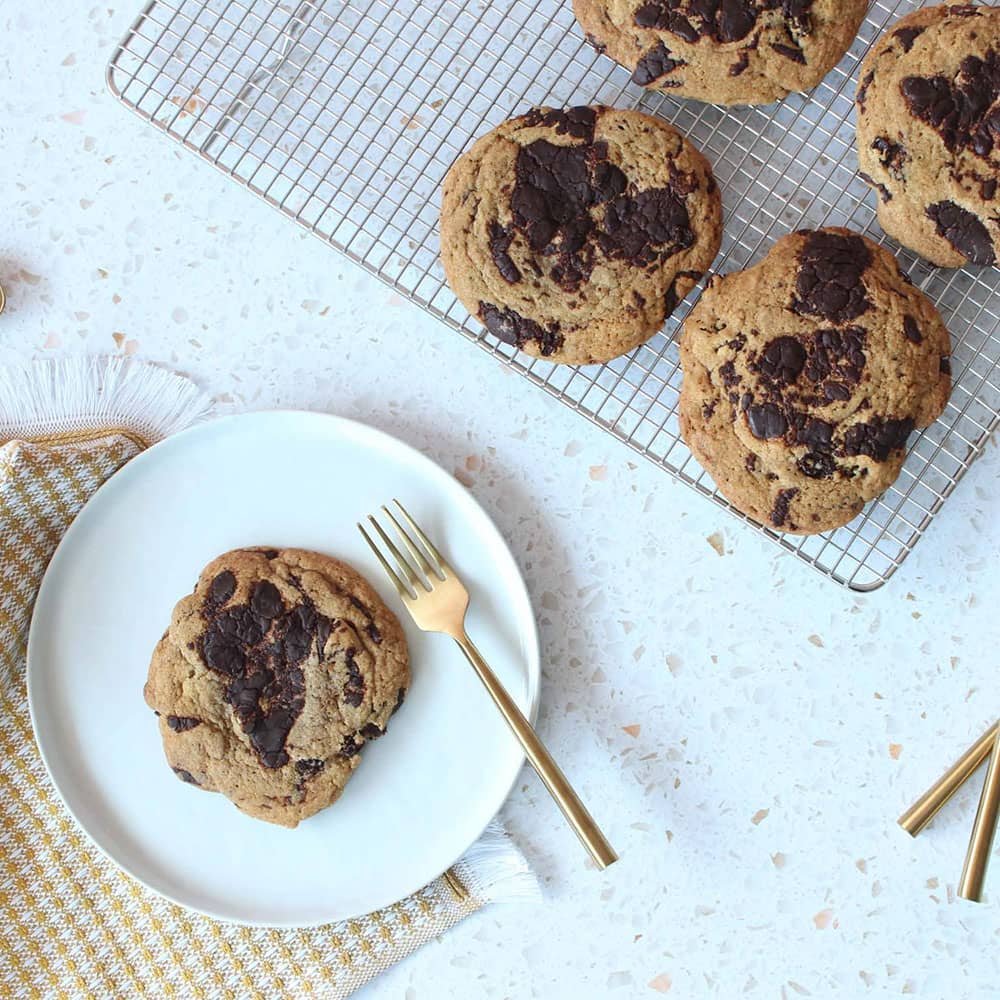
(573, 234)
(271, 678)
(724, 51)
(804, 376)
(929, 132)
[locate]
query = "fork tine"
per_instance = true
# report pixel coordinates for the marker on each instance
(402, 561)
(442, 567)
(413, 548)
(401, 588)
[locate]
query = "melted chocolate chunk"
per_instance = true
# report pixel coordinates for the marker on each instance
(944, 366)
(652, 225)
(988, 188)
(878, 438)
(720, 20)
(782, 361)
(577, 122)
(829, 282)
(185, 775)
(370, 731)
(265, 601)
(349, 747)
(840, 354)
(222, 587)
(816, 435)
(182, 723)
(500, 241)
(912, 331)
(512, 328)
(259, 647)
(269, 553)
(554, 191)
(907, 36)
(400, 697)
(766, 421)
(964, 231)
(779, 514)
(653, 64)
(963, 110)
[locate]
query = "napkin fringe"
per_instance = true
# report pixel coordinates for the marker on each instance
(495, 871)
(75, 394)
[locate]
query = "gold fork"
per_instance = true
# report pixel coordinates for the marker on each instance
(437, 601)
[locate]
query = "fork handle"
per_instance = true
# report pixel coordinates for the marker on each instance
(541, 760)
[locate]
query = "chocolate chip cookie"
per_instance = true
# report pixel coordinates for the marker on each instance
(929, 132)
(573, 234)
(724, 51)
(804, 376)
(273, 675)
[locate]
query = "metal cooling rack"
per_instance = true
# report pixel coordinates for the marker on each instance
(345, 116)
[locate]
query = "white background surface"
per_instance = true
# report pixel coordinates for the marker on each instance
(777, 724)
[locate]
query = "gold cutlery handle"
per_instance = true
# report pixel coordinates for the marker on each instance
(970, 886)
(541, 760)
(927, 806)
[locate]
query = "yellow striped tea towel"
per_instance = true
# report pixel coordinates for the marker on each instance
(72, 925)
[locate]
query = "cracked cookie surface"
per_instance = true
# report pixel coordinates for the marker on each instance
(929, 132)
(572, 234)
(272, 676)
(724, 51)
(805, 375)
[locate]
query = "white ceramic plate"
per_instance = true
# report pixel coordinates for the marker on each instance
(422, 794)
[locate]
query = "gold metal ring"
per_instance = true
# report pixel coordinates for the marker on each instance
(3, 299)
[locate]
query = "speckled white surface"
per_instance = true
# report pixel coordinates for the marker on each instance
(746, 731)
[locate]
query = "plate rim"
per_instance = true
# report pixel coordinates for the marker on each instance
(532, 661)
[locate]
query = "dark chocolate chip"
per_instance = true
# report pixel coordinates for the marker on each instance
(309, 766)
(182, 723)
(911, 330)
(782, 360)
(964, 231)
(878, 438)
(962, 109)
(816, 435)
(829, 283)
(222, 587)
(766, 421)
(792, 52)
(907, 36)
(816, 465)
(512, 328)
(185, 775)
(652, 225)
(265, 600)
(500, 241)
(655, 63)
(779, 513)
(354, 689)
(577, 122)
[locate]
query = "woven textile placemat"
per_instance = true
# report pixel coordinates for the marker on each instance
(72, 924)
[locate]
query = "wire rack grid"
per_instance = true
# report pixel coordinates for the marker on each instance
(346, 114)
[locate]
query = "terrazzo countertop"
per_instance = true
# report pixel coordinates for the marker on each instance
(746, 731)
